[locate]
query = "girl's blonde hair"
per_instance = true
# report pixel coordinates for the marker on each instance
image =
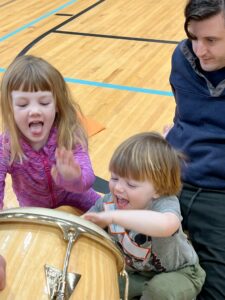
(31, 74)
(148, 157)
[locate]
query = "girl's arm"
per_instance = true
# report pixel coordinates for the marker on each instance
(147, 222)
(4, 162)
(73, 170)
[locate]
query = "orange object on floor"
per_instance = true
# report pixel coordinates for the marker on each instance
(92, 126)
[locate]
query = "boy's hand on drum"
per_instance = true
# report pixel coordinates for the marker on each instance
(102, 219)
(65, 166)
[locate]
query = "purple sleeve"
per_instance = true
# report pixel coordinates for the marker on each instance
(87, 178)
(4, 159)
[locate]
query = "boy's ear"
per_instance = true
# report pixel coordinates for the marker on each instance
(156, 195)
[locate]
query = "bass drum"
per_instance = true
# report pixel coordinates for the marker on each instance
(54, 254)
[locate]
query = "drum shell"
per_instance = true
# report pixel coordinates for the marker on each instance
(27, 247)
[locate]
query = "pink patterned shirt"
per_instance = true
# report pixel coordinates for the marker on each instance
(32, 181)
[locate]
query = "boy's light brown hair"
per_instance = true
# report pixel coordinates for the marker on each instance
(148, 157)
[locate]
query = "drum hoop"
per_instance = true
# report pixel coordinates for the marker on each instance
(63, 221)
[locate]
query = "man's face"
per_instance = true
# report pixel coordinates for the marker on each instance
(208, 41)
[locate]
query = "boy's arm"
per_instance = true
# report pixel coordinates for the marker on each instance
(147, 222)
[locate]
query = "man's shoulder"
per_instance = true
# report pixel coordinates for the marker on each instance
(183, 58)
(183, 47)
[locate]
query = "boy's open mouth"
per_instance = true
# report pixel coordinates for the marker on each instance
(121, 202)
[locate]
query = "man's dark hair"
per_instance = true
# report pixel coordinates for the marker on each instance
(202, 9)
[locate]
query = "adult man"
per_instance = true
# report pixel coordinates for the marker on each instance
(198, 82)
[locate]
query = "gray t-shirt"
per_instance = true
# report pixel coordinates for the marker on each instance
(167, 253)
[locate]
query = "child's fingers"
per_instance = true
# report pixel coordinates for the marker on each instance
(87, 216)
(66, 164)
(57, 153)
(54, 172)
(71, 158)
(64, 156)
(91, 217)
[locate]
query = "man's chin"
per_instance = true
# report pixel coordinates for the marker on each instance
(210, 67)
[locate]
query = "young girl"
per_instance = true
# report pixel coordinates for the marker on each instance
(44, 145)
(143, 216)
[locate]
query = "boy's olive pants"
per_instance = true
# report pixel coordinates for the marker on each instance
(184, 284)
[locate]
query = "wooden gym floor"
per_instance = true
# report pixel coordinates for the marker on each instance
(114, 54)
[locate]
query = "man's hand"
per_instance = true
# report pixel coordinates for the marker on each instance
(166, 129)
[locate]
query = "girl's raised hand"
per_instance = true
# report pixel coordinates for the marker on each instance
(66, 166)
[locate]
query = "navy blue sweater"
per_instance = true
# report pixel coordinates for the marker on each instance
(199, 122)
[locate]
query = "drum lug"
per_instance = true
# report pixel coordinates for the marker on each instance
(61, 284)
(55, 283)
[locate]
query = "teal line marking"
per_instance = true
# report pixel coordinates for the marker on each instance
(3, 38)
(119, 87)
(114, 86)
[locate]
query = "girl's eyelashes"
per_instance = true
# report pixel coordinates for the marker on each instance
(40, 103)
(46, 100)
(44, 103)
(21, 104)
(113, 178)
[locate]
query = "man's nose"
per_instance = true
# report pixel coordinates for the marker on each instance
(199, 48)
